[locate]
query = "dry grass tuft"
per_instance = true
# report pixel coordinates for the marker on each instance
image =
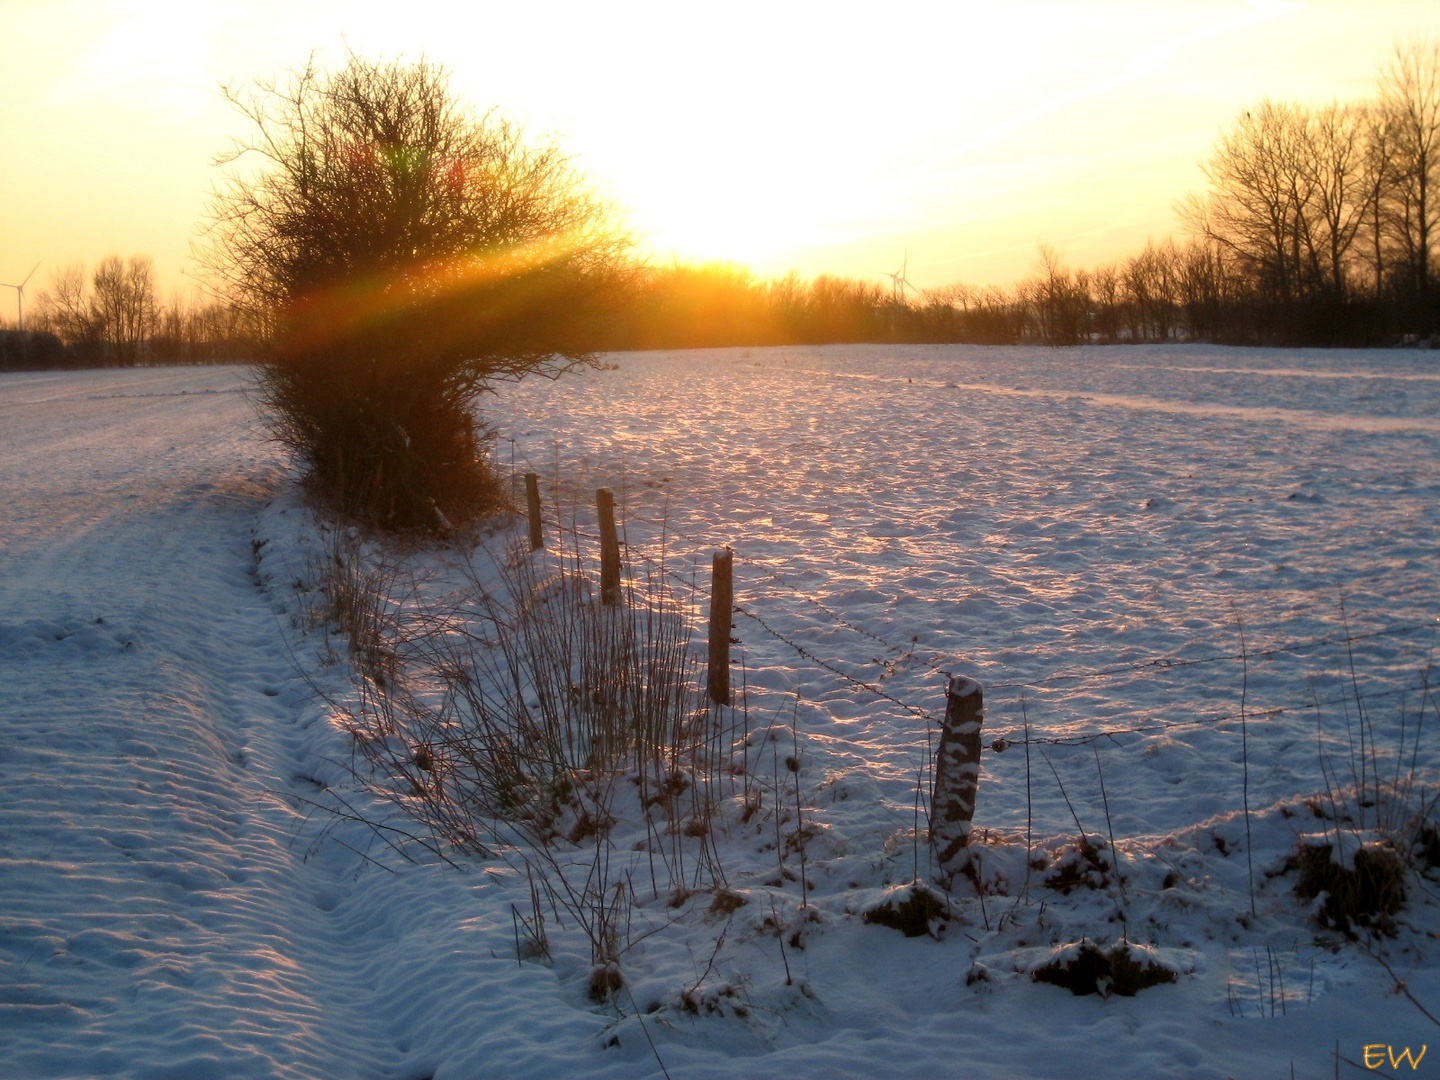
(1087, 969)
(1366, 891)
(914, 910)
(521, 716)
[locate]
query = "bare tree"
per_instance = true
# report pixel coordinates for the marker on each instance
(64, 308)
(141, 303)
(1105, 283)
(1334, 161)
(1061, 300)
(108, 300)
(123, 306)
(1259, 203)
(1410, 102)
(1203, 289)
(1150, 288)
(1374, 245)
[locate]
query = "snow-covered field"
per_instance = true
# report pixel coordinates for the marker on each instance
(1145, 555)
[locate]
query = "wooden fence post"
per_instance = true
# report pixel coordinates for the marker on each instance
(609, 547)
(532, 504)
(722, 604)
(957, 773)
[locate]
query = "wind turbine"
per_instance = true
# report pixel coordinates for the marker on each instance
(899, 282)
(20, 295)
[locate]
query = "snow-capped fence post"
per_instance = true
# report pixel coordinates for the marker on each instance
(532, 504)
(957, 773)
(609, 547)
(722, 604)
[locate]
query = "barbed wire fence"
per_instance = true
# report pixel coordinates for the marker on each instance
(761, 603)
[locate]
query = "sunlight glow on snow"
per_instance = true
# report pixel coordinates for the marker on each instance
(190, 887)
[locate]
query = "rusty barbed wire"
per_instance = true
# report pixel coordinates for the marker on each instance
(1002, 740)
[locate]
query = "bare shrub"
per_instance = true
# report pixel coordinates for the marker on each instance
(522, 717)
(1378, 816)
(403, 254)
(355, 590)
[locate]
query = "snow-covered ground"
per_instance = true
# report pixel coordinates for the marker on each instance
(1148, 556)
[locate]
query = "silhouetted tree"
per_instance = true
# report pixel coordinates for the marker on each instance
(30, 350)
(1373, 246)
(109, 322)
(1204, 292)
(843, 309)
(123, 307)
(1334, 163)
(1060, 299)
(403, 254)
(1105, 284)
(1410, 214)
(64, 308)
(1296, 210)
(1258, 206)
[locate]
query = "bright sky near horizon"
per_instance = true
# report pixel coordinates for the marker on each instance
(810, 136)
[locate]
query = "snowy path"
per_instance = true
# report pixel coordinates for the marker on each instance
(165, 908)
(156, 914)
(143, 853)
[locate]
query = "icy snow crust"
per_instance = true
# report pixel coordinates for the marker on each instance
(1086, 532)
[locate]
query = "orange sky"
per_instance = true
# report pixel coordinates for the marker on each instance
(813, 136)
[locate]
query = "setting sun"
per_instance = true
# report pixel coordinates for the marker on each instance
(814, 137)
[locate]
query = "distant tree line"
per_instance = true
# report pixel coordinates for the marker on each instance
(1323, 224)
(1319, 226)
(684, 307)
(113, 317)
